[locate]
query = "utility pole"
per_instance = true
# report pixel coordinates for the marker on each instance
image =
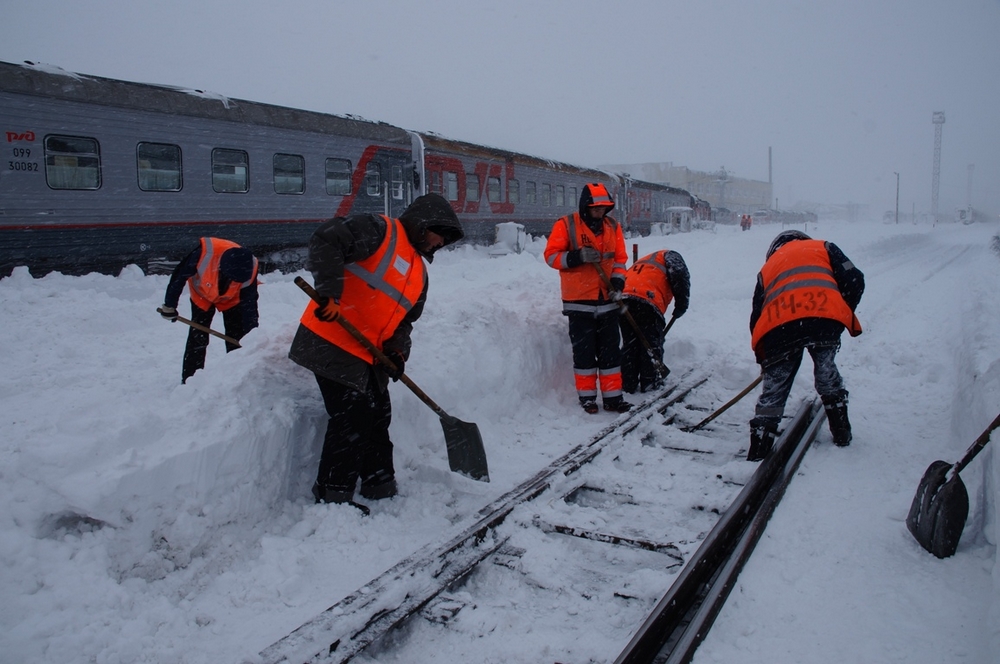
(897, 197)
(937, 118)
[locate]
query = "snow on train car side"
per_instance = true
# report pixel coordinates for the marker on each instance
(102, 173)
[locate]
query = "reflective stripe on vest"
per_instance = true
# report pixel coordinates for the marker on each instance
(204, 285)
(647, 280)
(378, 293)
(799, 283)
(583, 282)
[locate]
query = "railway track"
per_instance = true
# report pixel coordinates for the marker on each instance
(643, 524)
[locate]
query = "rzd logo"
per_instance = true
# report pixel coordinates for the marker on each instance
(26, 136)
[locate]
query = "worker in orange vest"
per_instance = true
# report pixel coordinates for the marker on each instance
(651, 284)
(220, 275)
(370, 270)
(805, 298)
(588, 249)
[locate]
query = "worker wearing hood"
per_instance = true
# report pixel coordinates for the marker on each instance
(369, 269)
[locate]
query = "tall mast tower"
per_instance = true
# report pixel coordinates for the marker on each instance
(938, 119)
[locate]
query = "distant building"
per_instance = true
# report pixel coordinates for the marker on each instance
(720, 188)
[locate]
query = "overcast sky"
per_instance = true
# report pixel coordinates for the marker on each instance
(841, 90)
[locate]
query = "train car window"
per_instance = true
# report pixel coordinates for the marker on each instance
(493, 192)
(72, 162)
(529, 193)
(230, 171)
(338, 177)
(513, 191)
(472, 187)
(373, 179)
(560, 195)
(158, 166)
(289, 174)
(571, 197)
(451, 186)
(546, 195)
(397, 183)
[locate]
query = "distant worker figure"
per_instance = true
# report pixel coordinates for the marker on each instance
(650, 285)
(588, 249)
(806, 295)
(222, 275)
(370, 268)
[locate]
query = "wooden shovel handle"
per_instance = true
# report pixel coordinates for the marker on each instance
(730, 403)
(198, 326)
(371, 348)
(977, 446)
(661, 369)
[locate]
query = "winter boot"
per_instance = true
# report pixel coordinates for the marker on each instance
(326, 494)
(836, 416)
(378, 486)
(762, 435)
(617, 405)
(589, 405)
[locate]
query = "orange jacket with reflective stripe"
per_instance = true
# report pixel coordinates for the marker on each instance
(204, 285)
(582, 283)
(378, 292)
(647, 279)
(798, 283)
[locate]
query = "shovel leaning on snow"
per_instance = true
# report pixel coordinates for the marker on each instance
(941, 504)
(463, 440)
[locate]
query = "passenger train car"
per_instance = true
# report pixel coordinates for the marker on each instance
(100, 173)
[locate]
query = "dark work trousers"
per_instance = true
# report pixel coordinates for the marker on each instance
(596, 343)
(357, 436)
(238, 321)
(779, 376)
(638, 370)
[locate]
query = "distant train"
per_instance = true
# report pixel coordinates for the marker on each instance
(100, 173)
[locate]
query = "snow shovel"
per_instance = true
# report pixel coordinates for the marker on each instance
(198, 326)
(463, 440)
(941, 504)
(661, 369)
(746, 391)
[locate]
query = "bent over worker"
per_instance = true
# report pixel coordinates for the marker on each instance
(588, 249)
(222, 275)
(651, 284)
(370, 270)
(805, 298)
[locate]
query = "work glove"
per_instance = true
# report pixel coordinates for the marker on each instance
(398, 361)
(589, 255)
(168, 313)
(329, 310)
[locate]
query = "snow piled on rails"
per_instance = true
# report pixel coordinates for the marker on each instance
(145, 520)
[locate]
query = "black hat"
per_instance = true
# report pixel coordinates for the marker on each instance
(237, 264)
(783, 238)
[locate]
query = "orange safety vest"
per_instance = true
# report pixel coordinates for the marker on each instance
(647, 279)
(378, 292)
(583, 282)
(204, 285)
(798, 283)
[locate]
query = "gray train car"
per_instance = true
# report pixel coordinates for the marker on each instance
(487, 186)
(99, 173)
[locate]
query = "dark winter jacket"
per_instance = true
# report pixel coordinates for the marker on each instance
(815, 332)
(335, 243)
(352, 239)
(229, 271)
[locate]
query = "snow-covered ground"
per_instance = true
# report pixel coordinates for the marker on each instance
(148, 521)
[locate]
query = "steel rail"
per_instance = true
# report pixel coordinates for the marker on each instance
(681, 619)
(345, 629)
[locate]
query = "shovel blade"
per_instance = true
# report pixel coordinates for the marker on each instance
(939, 510)
(466, 454)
